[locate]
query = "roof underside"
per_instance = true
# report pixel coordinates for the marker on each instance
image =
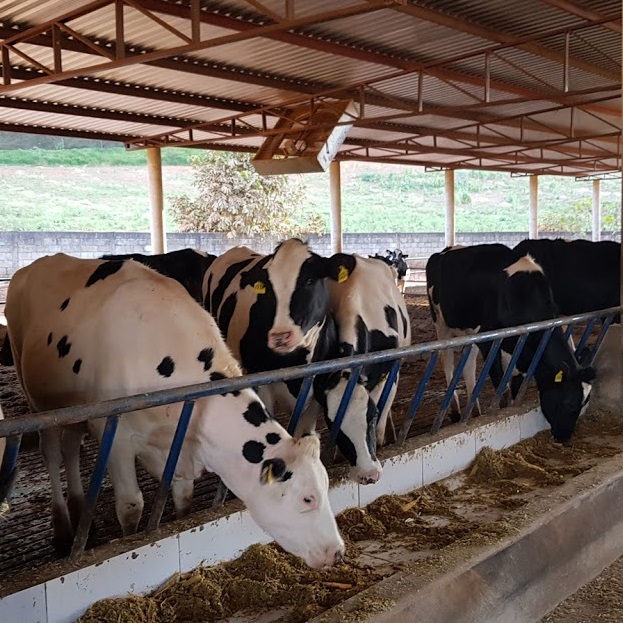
(531, 86)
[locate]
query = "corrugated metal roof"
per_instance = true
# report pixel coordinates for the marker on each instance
(441, 83)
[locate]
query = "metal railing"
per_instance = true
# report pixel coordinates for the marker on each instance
(112, 409)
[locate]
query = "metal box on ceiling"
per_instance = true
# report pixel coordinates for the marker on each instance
(306, 138)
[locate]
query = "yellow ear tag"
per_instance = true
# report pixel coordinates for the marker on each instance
(259, 288)
(558, 377)
(342, 274)
(269, 475)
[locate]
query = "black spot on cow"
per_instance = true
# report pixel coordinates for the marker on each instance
(106, 269)
(404, 323)
(273, 438)
(223, 284)
(206, 356)
(166, 367)
(227, 311)
(63, 347)
(49, 338)
(255, 414)
(253, 451)
(391, 317)
(77, 365)
(64, 304)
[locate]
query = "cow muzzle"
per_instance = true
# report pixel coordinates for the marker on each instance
(280, 341)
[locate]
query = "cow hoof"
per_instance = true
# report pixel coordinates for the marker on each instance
(61, 546)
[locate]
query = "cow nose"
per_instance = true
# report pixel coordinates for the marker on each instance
(282, 339)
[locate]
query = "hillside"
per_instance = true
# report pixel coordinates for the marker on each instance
(106, 190)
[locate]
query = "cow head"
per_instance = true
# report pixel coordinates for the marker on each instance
(564, 397)
(293, 280)
(357, 437)
(284, 485)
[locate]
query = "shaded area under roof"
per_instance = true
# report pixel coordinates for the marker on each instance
(525, 87)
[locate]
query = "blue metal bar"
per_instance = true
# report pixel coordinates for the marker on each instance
(600, 338)
(95, 485)
(417, 397)
(82, 413)
(569, 331)
(11, 452)
(389, 381)
(169, 469)
(495, 349)
(506, 377)
(585, 335)
(301, 399)
(534, 363)
(447, 399)
(341, 410)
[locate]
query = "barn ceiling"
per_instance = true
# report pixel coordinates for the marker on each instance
(527, 87)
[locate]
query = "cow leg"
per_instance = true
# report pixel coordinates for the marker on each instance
(447, 358)
(63, 533)
(182, 492)
(70, 448)
(381, 427)
(128, 497)
(469, 374)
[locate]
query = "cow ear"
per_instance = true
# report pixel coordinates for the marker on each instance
(251, 278)
(340, 267)
(272, 469)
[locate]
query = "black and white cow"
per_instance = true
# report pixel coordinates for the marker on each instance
(84, 331)
(273, 311)
(396, 259)
(188, 266)
(486, 287)
(370, 315)
(584, 275)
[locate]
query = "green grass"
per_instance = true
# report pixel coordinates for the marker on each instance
(90, 157)
(106, 190)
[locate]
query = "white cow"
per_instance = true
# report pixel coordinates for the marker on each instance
(83, 331)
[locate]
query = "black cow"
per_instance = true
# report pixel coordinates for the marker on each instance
(486, 287)
(584, 276)
(188, 266)
(273, 311)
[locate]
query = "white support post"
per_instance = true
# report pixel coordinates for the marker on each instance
(450, 218)
(596, 210)
(533, 231)
(156, 201)
(336, 206)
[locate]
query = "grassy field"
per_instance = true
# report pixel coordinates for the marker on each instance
(106, 190)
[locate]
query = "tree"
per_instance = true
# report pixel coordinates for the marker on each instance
(233, 198)
(578, 218)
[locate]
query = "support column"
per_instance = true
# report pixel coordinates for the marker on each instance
(450, 218)
(156, 201)
(336, 206)
(533, 230)
(596, 210)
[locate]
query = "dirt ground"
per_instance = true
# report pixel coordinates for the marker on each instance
(600, 601)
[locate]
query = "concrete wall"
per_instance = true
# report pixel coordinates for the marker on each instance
(20, 248)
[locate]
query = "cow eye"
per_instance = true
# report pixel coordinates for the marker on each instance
(308, 500)
(309, 282)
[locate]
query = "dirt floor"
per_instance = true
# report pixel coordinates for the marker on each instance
(412, 532)
(600, 601)
(25, 538)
